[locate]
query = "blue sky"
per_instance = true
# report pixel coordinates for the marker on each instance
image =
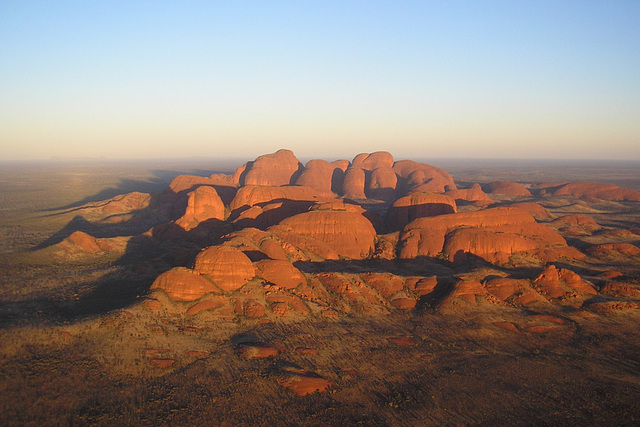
(507, 79)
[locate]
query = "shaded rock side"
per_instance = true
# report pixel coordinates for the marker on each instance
(418, 205)
(322, 176)
(255, 195)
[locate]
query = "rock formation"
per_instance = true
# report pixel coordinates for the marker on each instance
(347, 233)
(182, 284)
(492, 234)
(418, 205)
(226, 266)
(203, 204)
(274, 169)
(507, 188)
(278, 239)
(593, 190)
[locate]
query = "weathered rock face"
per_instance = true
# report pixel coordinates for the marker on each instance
(418, 205)
(575, 225)
(422, 177)
(492, 234)
(183, 284)
(373, 161)
(81, 242)
(473, 194)
(595, 190)
(272, 169)
(253, 195)
(203, 204)
(562, 283)
(610, 249)
(347, 233)
(516, 291)
(84, 242)
(382, 184)
(322, 176)
(353, 183)
(227, 267)
(508, 188)
(536, 210)
(191, 182)
(281, 273)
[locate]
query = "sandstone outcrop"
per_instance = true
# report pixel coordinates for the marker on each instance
(492, 234)
(507, 188)
(535, 209)
(275, 169)
(182, 284)
(347, 233)
(227, 267)
(249, 196)
(382, 184)
(373, 161)
(562, 284)
(84, 242)
(575, 225)
(281, 273)
(609, 249)
(203, 204)
(418, 205)
(422, 177)
(473, 194)
(594, 190)
(354, 183)
(322, 176)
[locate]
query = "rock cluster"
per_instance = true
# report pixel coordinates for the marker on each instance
(277, 238)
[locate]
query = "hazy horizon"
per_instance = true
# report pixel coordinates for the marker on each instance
(486, 80)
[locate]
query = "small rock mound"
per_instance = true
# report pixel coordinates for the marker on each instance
(183, 284)
(507, 188)
(562, 284)
(594, 190)
(281, 273)
(227, 267)
(301, 381)
(474, 195)
(609, 249)
(575, 225)
(83, 242)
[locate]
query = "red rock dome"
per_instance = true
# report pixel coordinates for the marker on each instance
(229, 268)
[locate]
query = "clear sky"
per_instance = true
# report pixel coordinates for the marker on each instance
(327, 79)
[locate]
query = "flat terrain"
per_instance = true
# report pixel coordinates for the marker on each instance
(77, 346)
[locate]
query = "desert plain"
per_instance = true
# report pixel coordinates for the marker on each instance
(280, 291)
